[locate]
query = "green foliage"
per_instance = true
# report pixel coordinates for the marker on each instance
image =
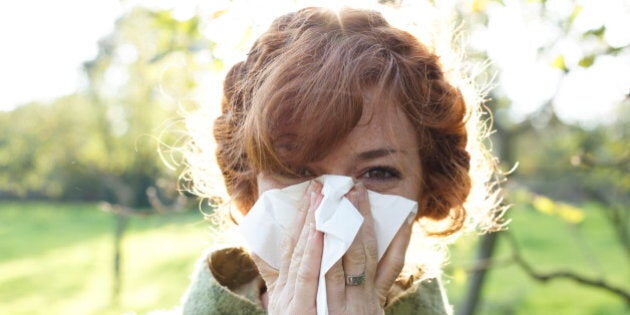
(587, 61)
(577, 163)
(559, 63)
(45, 148)
(563, 210)
(577, 9)
(598, 32)
(101, 143)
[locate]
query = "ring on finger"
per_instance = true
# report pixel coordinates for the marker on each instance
(355, 280)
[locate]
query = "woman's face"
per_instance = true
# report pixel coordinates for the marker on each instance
(381, 151)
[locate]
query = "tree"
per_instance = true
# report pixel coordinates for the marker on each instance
(575, 157)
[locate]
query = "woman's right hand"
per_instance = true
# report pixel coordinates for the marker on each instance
(293, 288)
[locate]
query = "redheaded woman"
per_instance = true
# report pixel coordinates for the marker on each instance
(343, 93)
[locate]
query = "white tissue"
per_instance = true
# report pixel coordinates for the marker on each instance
(266, 224)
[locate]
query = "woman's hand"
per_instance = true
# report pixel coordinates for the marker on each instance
(362, 258)
(293, 288)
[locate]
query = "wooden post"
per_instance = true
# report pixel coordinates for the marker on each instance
(119, 233)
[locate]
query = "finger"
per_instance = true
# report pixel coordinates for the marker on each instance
(393, 261)
(293, 236)
(361, 258)
(354, 259)
(301, 246)
(308, 276)
(367, 231)
(268, 273)
(336, 288)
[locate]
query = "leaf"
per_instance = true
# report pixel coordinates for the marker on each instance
(245, 37)
(217, 65)
(616, 50)
(459, 275)
(570, 213)
(479, 5)
(560, 64)
(587, 61)
(163, 19)
(217, 14)
(159, 56)
(564, 211)
(597, 32)
(544, 205)
(576, 11)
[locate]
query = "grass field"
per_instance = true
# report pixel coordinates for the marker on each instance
(548, 244)
(56, 259)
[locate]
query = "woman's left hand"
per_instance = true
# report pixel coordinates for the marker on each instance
(361, 258)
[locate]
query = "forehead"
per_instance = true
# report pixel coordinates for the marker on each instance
(382, 126)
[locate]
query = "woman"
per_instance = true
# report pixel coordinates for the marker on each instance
(343, 93)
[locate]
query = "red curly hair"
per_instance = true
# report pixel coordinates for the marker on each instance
(317, 65)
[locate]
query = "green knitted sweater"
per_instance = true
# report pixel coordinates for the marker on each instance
(227, 282)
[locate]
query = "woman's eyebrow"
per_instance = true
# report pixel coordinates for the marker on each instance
(373, 154)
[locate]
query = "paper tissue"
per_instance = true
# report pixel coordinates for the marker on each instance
(265, 225)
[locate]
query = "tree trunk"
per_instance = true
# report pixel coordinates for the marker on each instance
(486, 249)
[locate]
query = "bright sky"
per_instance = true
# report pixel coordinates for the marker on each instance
(46, 42)
(586, 95)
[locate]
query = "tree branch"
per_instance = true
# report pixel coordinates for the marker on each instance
(544, 277)
(158, 206)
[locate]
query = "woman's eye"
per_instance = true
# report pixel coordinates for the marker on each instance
(381, 173)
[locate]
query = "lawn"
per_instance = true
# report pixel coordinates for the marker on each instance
(57, 259)
(548, 244)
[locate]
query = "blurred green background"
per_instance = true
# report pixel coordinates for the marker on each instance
(92, 221)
